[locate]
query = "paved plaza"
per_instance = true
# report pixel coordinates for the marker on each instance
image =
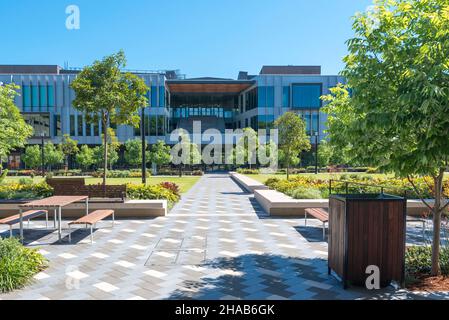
(216, 243)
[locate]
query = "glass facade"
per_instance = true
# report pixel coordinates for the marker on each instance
(40, 123)
(306, 96)
(161, 96)
(312, 121)
(38, 98)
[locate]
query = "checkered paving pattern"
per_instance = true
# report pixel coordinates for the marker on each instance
(216, 243)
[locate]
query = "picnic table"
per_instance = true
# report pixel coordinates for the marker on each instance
(56, 203)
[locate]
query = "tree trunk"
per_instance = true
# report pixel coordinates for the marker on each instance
(105, 152)
(288, 169)
(437, 211)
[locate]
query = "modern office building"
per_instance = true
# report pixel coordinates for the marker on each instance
(174, 101)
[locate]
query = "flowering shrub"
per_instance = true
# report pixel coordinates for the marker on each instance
(173, 187)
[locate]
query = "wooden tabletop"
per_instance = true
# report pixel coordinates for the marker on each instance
(55, 201)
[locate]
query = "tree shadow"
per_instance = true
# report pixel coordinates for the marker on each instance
(263, 276)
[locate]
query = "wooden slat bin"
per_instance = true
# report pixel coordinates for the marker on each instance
(365, 230)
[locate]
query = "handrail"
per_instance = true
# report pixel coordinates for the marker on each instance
(347, 183)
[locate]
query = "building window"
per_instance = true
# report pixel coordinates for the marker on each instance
(153, 96)
(35, 97)
(51, 96)
(161, 96)
(286, 97)
(40, 123)
(266, 97)
(57, 125)
(72, 125)
(42, 96)
(89, 131)
(80, 126)
(306, 96)
(96, 129)
(26, 97)
(161, 126)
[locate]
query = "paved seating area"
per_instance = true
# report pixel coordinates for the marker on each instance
(216, 243)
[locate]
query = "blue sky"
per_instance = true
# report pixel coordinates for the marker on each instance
(200, 37)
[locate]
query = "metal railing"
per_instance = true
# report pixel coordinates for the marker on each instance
(382, 189)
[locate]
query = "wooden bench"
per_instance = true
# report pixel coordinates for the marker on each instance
(27, 215)
(319, 214)
(91, 219)
(77, 187)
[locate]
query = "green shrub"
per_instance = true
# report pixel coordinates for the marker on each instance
(418, 260)
(25, 191)
(247, 171)
(305, 193)
(271, 182)
(153, 192)
(18, 264)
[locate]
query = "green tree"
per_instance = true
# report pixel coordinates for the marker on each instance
(14, 132)
(160, 153)
(396, 118)
(85, 158)
(325, 153)
(292, 137)
(185, 152)
(32, 157)
(52, 155)
(133, 152)
(69, 147)
(294, 159)
(105, 93)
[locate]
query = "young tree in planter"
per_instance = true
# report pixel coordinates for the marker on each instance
(32, 157)
(133, 152)
(104, 92)
(52, 155)
(69, 147)
(397, 118)
(160, 154)
(292, 137)
(14, 132)
(85, 158)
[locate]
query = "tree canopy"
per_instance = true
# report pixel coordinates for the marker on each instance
(14, 132)
(292, 137)
(104, 92)
(394, 111)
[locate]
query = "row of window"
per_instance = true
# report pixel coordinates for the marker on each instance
(186, 112)
(78, 129)
(154, 126)
(38, 97)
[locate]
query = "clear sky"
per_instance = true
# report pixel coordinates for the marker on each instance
(199, 37)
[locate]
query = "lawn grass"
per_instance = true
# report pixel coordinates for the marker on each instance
(184, 183)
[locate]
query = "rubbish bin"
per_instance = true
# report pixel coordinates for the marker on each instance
(367, 230)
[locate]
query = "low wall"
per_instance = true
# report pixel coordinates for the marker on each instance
(250, 185)
(278, 204)
(128, 209)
